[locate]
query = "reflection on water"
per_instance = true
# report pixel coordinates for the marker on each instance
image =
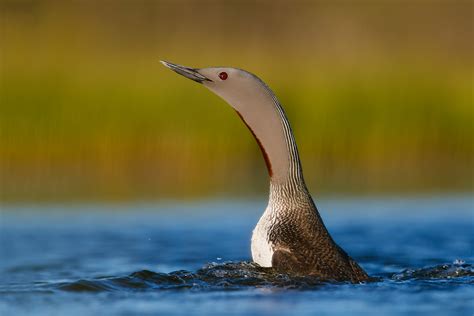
(183, 258)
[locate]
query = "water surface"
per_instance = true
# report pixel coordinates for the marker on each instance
(193, 258)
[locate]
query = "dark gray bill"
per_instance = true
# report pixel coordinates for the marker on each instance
(187, 72)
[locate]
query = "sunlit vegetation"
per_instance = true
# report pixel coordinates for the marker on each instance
(378, 105)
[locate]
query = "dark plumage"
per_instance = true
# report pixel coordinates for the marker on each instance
(303, 245)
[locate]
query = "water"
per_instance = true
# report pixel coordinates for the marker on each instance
(181, 259)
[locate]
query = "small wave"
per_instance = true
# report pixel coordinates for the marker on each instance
(219, 276)
(239, 275)
(457, 269)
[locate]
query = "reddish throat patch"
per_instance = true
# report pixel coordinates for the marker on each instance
(262, 149)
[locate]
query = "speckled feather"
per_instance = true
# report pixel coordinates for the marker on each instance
(301, 242)
(295, 232)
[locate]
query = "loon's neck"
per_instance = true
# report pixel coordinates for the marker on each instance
(267, 121)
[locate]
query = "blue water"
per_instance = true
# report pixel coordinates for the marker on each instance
(192, 259)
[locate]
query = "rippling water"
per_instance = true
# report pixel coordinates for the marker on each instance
(177, 259)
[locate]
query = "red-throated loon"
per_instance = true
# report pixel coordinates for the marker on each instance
(290, 236)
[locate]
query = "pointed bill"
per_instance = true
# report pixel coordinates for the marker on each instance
(190, 73)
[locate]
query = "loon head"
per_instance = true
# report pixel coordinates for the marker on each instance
(236, 86)
(259, 109)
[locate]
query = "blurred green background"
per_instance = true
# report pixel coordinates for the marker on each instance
(379, 94)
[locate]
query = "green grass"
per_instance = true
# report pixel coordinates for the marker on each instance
(85, 115)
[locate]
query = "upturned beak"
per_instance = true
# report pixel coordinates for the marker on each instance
(190, 73)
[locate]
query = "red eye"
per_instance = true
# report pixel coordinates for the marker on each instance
(223, 75)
